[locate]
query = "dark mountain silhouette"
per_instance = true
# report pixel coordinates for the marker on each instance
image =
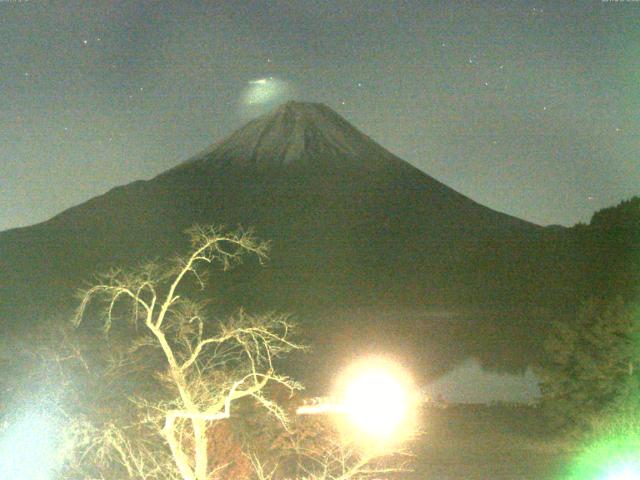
(352, 226)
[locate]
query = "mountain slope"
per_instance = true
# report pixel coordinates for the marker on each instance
(350, 224)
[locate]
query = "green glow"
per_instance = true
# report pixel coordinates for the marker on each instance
(615, 452)
(612, 459)
(625, 471)
(265, 91)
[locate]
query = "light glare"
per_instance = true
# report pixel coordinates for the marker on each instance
(28, 448)
(376, 403)
(627, 471)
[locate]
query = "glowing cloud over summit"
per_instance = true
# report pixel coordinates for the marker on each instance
(262, 94)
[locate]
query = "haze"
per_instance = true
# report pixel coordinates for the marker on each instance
(526, 107)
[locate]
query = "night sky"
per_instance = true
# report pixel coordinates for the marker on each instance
(531, 108)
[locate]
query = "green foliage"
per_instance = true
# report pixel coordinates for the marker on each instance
(590, 371)
(610, 250)
(592, 365)
(624, 215)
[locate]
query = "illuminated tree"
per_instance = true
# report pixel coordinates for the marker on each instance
(323, 452)
(213, 374)
(208, 367)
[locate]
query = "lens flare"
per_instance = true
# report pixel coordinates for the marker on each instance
(614, 458)
(377, 398)
(625, 471)
(29, 447)
(376, 403)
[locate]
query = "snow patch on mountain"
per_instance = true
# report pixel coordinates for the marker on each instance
(298, 134)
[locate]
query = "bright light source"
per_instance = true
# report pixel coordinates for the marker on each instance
(28, 447)
(376, 402)
(378, 399)
(626, 471)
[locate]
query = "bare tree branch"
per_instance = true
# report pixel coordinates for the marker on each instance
(209, 368)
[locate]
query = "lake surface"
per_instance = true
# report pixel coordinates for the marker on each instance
(471, 442)
(472, 356)
(469, 382)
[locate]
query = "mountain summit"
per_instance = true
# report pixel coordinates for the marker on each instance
(297, 134)
(350, 223)
(352, 227)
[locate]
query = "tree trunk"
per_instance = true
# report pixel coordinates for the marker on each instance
(201, 454)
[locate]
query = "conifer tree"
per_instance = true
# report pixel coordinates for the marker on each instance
(592, 365)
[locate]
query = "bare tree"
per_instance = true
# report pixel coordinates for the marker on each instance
(321, 448)
(212, 368)
(209, 367)
(337, 459)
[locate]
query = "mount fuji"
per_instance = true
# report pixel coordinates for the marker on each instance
(351, 226)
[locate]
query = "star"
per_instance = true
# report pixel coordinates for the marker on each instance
(85, 42)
